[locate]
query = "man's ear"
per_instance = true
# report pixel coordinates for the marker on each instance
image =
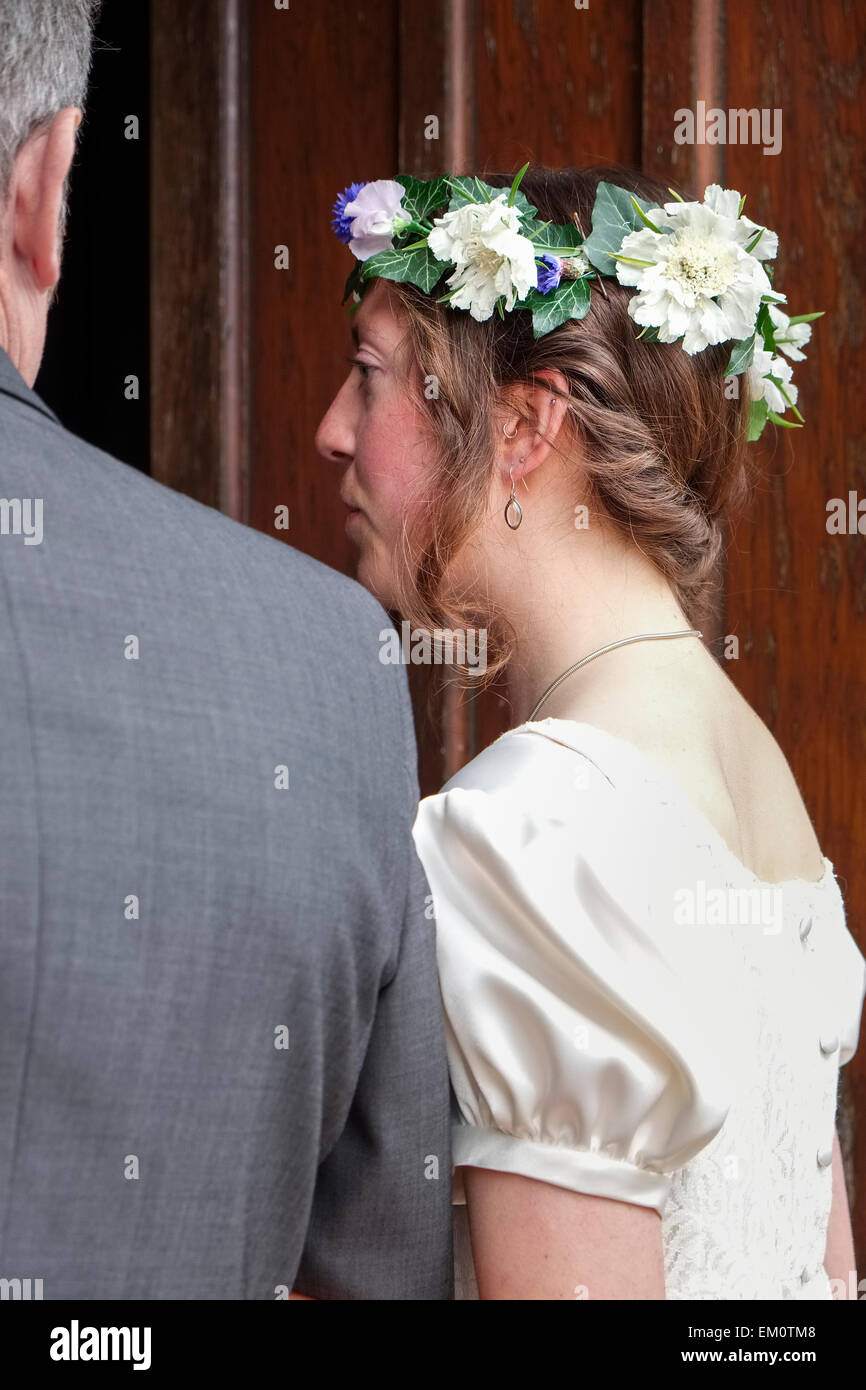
(41, 169)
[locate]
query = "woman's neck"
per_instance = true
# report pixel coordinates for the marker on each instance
(570, 610)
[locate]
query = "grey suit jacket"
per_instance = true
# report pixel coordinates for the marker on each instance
(222, 1056)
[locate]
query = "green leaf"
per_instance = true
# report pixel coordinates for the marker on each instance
(674, 194)
(778, 420)
(648, 334)
(417, 267)
(561, 240)
(807, 318)
(517, 177)
(741, 356)
(780, 385)
(613, 217)
(354, 282)
(752, 244)
(423, 197)
(758, 412)
(765, 328)
(652, 226)
(465, 188)
(570, 300)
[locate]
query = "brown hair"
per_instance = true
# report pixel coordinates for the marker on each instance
(662, 442)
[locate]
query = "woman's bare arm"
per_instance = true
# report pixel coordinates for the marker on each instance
(531, 1240)
(839, 1261)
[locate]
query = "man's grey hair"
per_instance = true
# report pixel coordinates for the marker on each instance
(45, 49)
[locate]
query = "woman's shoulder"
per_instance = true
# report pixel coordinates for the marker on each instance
(538, 758)
(552, 805)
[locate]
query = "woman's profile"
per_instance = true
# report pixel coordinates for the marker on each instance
(648, 981)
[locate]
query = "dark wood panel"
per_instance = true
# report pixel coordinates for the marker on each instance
(436, 78)
(795, 594)
(323, 106)
(198, 408)
(560, 87)
(557, 85)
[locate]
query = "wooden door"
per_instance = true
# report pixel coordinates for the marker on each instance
(314, 96)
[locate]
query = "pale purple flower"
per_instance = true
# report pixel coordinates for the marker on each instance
(372, 213)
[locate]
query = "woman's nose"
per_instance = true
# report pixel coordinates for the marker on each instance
(335, 437)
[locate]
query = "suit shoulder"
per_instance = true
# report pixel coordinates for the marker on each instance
(104, 484)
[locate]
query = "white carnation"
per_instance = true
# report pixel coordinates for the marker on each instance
(490, 255)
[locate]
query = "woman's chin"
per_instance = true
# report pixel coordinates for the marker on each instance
(376, 583)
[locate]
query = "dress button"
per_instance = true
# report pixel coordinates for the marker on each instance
(805, 928)
(825, 1158)
(805, 1275)
(828, 1045)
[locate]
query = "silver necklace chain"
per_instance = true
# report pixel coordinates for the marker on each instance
(623, 642)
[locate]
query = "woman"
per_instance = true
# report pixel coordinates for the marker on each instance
(648, 981)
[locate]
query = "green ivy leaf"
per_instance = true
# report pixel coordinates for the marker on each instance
(423, 198)
(613, 217)
(417, 267)
(570, 300)
(547, 236)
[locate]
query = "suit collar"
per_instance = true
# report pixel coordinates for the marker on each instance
(12, 383)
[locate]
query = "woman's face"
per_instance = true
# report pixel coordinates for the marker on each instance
(374, 431)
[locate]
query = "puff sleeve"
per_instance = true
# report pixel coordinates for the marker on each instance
(577, 1055)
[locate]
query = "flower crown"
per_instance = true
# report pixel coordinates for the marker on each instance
(698, 267)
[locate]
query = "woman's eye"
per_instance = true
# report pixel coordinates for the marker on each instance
(363, 367)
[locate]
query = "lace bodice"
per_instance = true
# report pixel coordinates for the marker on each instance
(747, 1217)
(631, 1013)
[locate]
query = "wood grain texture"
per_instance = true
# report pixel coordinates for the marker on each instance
(323, 107)
(560, 87)
(185, 363)
(435, 78)
(198, 251)
(796, 595)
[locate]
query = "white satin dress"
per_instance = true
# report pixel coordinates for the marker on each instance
(633, 1014)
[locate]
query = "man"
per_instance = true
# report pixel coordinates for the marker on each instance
(222, 1058)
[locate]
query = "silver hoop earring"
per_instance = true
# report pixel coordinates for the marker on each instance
(513, 502)
(507, 435)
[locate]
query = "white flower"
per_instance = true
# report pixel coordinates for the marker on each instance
(491, 256)
(790, 338)
(373, 213)
(703, 285)
(726, 202)
(763, 364)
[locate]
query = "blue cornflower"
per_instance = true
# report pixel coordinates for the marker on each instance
(340, 224)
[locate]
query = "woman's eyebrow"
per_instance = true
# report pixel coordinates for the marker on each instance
(366, 332)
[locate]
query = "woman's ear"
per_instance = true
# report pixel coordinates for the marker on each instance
(524, 446)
